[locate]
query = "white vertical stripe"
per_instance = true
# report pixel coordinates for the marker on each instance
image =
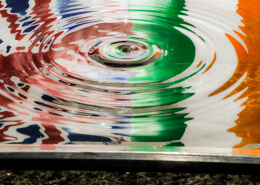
(213, 116)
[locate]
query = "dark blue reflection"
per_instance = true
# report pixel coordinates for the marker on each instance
(33, 131)
(10, 89)
(18, 6)
(45, 105)
(8, 49)
(120, 134)
(76, 137)
(30, 28)
(48, 98)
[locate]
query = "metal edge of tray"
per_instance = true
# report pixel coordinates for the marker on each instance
(191, 160)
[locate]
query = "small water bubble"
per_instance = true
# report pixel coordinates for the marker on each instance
(166, 53)
(126, 19)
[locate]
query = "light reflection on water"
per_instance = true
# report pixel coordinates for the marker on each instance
(112, 71)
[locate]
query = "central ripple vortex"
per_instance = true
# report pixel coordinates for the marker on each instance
(124, 52)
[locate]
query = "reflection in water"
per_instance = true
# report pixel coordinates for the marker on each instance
(112, 71)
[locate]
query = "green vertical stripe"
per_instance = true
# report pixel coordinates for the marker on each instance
(156, 22)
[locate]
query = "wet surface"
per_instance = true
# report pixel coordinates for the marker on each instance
(142, 75)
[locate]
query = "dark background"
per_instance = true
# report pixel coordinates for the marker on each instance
(24, 169)
(52, 177)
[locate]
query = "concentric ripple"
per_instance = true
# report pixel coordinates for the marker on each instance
(124, 52)
(99, 71)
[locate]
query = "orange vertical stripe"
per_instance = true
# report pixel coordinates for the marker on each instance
(248, 124)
